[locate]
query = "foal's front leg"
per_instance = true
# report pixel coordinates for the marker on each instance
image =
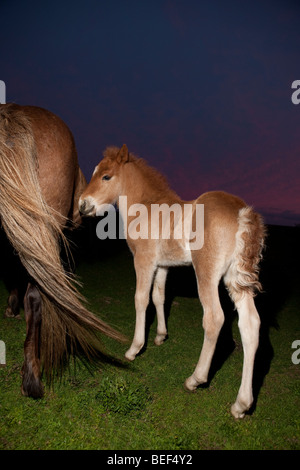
(144, 277)
(158, 297)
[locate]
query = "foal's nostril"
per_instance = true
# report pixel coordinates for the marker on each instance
(85, 208)
(82, 206)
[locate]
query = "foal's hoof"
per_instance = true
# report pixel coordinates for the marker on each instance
(129, 356)
(236, 413)
(190, 384)
(239, 408)
(160, 339)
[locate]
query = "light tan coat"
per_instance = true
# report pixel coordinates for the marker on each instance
(233, 240)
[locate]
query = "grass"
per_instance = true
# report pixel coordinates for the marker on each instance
(143, 405)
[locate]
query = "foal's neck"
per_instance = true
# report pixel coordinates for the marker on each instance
(143, 185)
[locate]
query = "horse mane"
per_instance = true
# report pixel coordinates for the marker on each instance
(154, 180)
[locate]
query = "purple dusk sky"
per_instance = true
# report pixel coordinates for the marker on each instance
(200, 89)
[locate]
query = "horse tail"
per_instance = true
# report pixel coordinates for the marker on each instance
(35, 232)
(242, 275)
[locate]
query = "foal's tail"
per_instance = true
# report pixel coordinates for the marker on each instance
(33, 229)
(243, 273)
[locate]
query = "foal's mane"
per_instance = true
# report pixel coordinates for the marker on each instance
(151, 176)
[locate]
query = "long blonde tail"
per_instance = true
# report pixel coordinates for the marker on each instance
(35, 233)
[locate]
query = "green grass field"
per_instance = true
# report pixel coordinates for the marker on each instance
(143, 405)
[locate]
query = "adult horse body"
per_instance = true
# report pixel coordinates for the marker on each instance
(40, 183)
(233, 240)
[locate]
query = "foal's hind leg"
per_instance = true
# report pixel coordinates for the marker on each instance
(249, 324)
(31, 384)
(213, 320)
(158, 297)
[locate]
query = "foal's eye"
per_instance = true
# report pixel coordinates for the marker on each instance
(106, 177)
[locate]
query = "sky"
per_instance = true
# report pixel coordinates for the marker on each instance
(201, 89)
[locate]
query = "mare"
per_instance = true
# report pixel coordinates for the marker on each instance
(40, 184)
(233, 241)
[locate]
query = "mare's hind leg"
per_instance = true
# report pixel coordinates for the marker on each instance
(16, 279)
(213, 320)
(31, 383)
(13, 304)
(144, 277)
(249, 325)
(158, 297)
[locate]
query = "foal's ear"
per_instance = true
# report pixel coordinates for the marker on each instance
(123, 155)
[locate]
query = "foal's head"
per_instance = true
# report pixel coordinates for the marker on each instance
(106, 183)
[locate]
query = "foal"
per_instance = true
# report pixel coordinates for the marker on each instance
(233, 240)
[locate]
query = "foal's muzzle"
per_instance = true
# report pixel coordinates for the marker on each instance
(86, 207)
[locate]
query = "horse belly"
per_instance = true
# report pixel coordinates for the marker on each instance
(174, 253)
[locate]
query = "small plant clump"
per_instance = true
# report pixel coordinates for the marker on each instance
(120, 396)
